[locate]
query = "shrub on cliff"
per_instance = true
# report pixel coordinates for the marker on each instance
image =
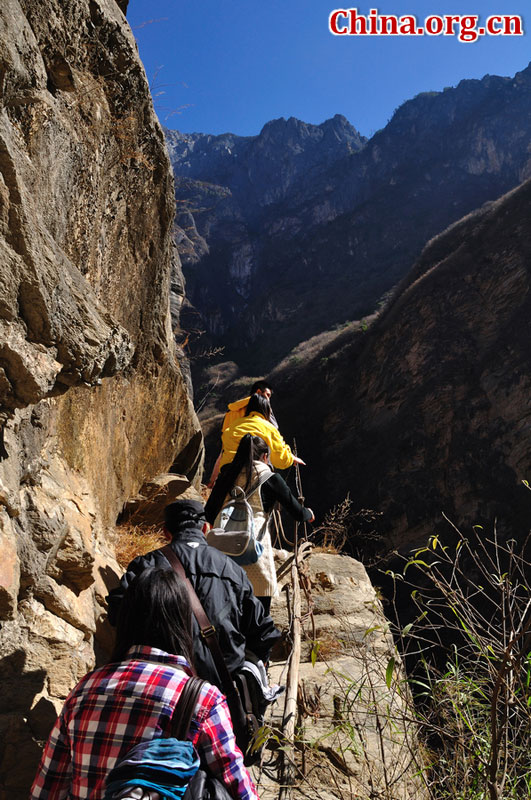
(468, 652)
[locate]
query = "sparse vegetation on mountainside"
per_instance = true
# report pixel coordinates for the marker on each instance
(461, 715)
(468, 655)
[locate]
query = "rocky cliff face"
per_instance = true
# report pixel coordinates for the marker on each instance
(92, 400)
(259, 171)
(276, 260)
(427, 411)
(354, 731)
(236, 195)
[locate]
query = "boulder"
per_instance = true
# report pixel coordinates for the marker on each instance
(147, 508)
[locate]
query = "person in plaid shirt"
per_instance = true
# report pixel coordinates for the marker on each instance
(132, 700)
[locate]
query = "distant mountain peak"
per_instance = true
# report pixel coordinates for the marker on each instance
(468, 93)
(315, 217)
(277, 127)
(284, 151)
(338, 122)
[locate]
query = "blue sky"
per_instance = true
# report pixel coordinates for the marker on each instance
(232, 65)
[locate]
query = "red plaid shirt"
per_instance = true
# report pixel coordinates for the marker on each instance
(119, 705)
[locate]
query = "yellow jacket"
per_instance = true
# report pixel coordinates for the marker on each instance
(256, 425)
(236, 412)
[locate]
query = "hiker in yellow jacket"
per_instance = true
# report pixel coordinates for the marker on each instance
(235, 412)
(257, 422)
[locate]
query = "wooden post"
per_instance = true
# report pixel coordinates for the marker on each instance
(288, 767)
(290, 706)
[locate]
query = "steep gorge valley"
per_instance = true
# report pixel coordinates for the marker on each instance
(305, 255)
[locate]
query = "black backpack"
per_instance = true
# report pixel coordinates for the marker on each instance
(166, 768)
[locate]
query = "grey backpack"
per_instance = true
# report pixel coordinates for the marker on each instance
(234, 528)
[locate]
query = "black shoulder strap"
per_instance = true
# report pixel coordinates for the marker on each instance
(183, 711)
(208, 632)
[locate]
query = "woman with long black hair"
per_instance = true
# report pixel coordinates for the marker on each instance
(257, 422)
(131, 700)
(251, 471)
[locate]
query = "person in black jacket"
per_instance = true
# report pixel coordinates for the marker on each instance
(221, 585)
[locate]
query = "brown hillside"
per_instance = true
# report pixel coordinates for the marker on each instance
(428, 410)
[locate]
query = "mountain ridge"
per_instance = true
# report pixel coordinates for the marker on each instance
(345, 228)
(426, 412)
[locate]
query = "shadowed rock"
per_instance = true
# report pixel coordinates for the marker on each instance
(427, 411)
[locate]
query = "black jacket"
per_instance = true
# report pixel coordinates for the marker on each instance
(273, 490)
(227, 597)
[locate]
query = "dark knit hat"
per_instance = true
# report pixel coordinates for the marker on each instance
(183, 511)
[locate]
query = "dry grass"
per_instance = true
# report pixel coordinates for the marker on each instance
(331, 536)
(329, 548)
(314, 347)
(360, 533)
(329, 646)
(135, 540)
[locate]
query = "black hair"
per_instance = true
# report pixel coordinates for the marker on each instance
(259, 403)
(155, 612)
(188, 513)
(260, 386)
(251, 448)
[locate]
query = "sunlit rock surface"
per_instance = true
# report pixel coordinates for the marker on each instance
(355, 737)
(92, 399)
